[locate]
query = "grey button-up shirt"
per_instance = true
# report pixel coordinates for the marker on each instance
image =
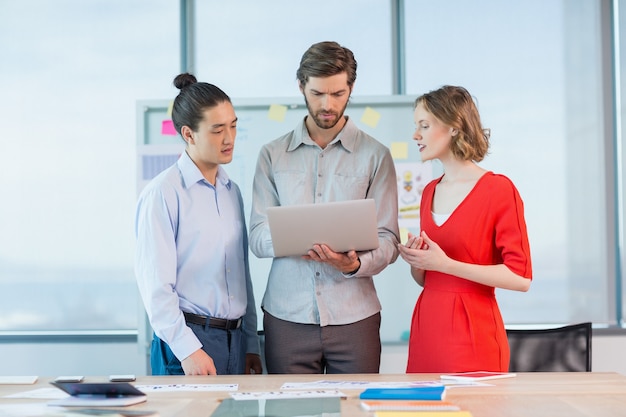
(295, 170)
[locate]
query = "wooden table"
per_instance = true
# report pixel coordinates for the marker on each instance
(555, 394)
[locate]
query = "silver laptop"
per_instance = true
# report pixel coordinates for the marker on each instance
(342, 225)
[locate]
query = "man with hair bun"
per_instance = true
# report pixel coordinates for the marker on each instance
(192, 248)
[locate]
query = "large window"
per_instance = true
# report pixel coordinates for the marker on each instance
(536, 70)
(73, 71)
(71, 74)
(252, 48)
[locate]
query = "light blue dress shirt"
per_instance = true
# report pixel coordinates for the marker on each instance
(192, 255)
(295, 170)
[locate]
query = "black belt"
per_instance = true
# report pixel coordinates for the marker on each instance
(223, 324)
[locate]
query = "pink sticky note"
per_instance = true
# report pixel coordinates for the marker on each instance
(167, 128)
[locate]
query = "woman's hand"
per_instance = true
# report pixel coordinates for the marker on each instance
(422, 253)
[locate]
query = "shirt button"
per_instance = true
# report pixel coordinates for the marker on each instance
(319, 293)
(232, 297)
(317, 274)
(319, 194)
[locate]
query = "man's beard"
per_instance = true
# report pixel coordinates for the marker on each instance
(324, 124)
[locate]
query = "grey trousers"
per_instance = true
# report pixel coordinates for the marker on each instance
(295, 348)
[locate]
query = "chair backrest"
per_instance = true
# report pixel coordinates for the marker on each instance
(561, 349)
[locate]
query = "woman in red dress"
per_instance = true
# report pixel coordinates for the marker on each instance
(473, 240)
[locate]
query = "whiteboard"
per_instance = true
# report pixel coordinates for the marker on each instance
(260, 120)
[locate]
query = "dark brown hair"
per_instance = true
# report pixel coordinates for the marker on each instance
(324, 59)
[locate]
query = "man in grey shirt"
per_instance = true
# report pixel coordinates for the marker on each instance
(321, 310)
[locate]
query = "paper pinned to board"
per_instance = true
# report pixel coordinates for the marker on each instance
(370, 117)
(277, 112)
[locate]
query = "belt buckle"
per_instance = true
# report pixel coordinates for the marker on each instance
(232, 324)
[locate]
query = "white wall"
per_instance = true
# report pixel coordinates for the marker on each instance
(98, 359)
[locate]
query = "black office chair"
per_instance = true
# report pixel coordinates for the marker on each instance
(561, 349)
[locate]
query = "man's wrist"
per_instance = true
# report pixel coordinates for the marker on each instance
(356, 270)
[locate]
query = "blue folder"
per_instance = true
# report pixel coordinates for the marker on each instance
(413, 393)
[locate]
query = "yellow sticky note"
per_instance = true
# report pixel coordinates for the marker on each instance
(399, 150)
(370, 117)
(277, 112)
(404, 234)
(169, 109)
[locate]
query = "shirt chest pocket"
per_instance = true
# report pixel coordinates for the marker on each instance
(294, 187)
(302, 187)
(348, 187)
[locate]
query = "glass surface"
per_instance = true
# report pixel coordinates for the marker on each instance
(279, 407)
(541, 96)
(71, 74)
(253, 48)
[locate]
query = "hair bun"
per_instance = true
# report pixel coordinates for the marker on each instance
(184, 80)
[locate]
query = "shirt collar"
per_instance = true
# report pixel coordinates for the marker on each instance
(191, 174)
(346, 137)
